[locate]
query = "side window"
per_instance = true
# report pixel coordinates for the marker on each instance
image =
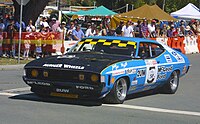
(144, 50)
(156, 49)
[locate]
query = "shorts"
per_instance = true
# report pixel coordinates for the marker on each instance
(39, 49)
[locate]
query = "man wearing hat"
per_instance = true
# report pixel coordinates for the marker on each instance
(62, 28)
(54, 24)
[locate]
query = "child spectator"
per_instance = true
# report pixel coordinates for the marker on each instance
(26, 47)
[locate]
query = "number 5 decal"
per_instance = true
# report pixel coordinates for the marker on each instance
(151, 75)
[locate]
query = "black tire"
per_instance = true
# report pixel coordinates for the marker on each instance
(118, 93)
(172, 84)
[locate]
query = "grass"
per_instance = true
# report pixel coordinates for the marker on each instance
(12, 61)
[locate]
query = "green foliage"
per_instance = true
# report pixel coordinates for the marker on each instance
(170, 5)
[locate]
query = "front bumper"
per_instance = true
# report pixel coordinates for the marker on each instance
(65, 89)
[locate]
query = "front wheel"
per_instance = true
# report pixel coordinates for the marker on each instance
(172, 84)
(118, 93)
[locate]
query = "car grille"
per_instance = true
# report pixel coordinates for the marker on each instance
(62, 76)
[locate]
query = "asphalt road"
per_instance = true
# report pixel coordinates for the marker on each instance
(19, 106)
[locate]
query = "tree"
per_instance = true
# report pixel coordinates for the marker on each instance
(31, 10)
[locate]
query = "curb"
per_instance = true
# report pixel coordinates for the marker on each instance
(11, 67)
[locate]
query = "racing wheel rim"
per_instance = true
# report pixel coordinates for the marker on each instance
(174, 81)
(121, 89)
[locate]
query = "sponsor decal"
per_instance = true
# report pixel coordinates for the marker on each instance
(78, 67)
(161, 76)
(85, 87)
(162, 71)
(53, 65)
(165, 69)
(168, 58)
(132, 88)
(115, 67)
(124, 64)
(178, 57)
(147, 88)
(38, 83)
(131, 71)
(151, 62)
(134, 82)
(141, 73)
(59, 90)
(118, 73)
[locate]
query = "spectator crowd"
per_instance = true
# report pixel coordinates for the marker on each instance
(73, 30)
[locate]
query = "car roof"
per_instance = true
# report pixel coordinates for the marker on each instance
(121, 38)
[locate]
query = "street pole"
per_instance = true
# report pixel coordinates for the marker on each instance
(20, 30)
(126, 7)
(163, 5)
(94, 4)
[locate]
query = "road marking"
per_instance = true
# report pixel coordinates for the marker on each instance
(17, 90)
(8, 94)
(154, 109)
(12, 92)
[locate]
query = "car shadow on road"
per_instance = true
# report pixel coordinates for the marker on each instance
(142, 94)
(81, 102)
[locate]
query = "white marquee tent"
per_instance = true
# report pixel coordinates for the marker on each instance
(188, 12)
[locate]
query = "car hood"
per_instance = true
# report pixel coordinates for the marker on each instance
(84, 61)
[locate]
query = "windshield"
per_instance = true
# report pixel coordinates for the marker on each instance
(117, 47)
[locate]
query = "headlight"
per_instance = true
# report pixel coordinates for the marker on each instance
(34, 73)
(94, 77)
(81, 77)
(45, 74)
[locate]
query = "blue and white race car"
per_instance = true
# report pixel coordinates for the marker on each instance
(108, 68)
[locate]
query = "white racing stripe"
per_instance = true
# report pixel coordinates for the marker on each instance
(154, 109)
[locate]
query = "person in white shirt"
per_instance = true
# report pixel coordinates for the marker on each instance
(44, 22)
(90, 31)
(30, 27)
(62, 29)
(152, 28)
(127, 30)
